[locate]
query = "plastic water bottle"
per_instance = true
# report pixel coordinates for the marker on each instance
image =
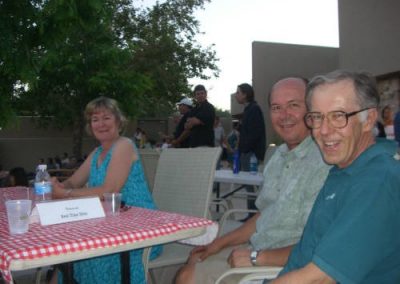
(236, 162)
(253, 164)
(42, 184)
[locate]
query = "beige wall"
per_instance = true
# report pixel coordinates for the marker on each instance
(370, 35)
(23, 144)
(273, 61)
(369, 41)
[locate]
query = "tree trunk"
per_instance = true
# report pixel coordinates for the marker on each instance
(77, 136)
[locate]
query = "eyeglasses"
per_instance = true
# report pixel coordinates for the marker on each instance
(291, 106)
(336, 119)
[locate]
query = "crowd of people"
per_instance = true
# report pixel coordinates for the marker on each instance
(328, 207)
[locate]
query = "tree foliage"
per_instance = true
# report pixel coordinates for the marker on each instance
(57, 55)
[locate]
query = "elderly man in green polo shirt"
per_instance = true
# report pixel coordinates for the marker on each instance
(293, 177)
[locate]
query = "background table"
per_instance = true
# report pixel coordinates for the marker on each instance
(48, 245)
(241, 179)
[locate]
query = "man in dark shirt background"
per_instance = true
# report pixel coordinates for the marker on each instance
(252, 132)
(200, 122)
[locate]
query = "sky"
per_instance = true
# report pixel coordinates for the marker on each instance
(232, 25)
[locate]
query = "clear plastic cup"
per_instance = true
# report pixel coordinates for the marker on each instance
(112, 203)
(18, 212)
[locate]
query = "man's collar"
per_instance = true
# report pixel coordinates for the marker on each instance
(300, 150)
(357, 165)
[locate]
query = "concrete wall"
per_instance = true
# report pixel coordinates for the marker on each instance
(273, 61)
(369, 41)
(369, 35)
(23, 144)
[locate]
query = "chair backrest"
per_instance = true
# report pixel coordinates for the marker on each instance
(149, 158)
(184, 180)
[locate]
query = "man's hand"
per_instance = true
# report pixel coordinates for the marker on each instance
(239, 257)
(202, 252)
(174, 143)
(191, 122)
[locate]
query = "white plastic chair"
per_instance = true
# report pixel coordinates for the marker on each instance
(149, 158)
(252, 273)
(249, 273)
(183, 184)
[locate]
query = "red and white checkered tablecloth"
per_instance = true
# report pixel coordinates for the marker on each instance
(133, 225)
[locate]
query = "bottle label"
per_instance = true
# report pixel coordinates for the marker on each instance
(42, 188)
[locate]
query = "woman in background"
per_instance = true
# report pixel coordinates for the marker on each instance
(114, 166)
(387, 118)
(18, 177)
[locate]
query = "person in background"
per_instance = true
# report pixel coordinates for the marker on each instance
(65, 160)
(50, 164)
(397, 127)
(3, 177)
(219, 133)
(220, 140)
(18, 177)
(252, 140)
(57, 161)
(137, 136)
(233, 141)
(293, 177)
(200, 123)
(352, 233)
(114, 166)
(387, 118)
(180, 140)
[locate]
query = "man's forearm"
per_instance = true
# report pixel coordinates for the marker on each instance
(240, 235)
(274, 257)
(185, 134)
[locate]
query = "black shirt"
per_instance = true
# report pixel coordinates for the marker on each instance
(203, 134)
(179, 130)
(252, 131)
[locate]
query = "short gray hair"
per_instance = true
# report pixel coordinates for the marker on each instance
(364, 84)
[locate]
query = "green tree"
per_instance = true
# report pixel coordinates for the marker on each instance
(87, 48)
(18, 35)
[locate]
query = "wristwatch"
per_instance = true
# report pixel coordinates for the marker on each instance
(253, 257)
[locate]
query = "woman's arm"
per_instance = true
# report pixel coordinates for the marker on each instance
(117, 173)
(80, 177)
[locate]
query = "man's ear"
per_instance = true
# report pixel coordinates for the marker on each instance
(369, 123)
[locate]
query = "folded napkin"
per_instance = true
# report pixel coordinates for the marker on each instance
(34, 217)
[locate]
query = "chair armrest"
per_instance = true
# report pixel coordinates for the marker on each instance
(252, 273)
(230, 212)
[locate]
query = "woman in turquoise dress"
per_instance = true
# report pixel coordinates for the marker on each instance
(114, 166)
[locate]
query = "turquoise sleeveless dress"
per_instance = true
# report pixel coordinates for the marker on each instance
(106, 269)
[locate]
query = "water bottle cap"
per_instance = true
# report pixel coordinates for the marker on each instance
(42, 167)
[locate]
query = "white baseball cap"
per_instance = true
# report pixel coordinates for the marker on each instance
(186, 101)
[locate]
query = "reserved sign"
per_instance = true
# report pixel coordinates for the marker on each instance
(63, 211)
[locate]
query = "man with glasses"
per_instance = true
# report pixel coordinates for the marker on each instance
(293, 177)
(352, 234)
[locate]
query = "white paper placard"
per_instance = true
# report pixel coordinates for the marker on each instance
(63, 211)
